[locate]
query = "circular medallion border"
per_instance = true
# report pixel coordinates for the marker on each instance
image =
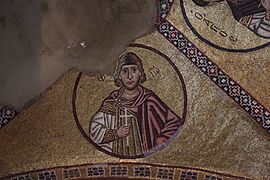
(85, 135)
(182, 6)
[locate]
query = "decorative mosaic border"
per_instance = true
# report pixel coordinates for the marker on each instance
(163, 9)
(123, 170)
(211, 70)
(6, 115)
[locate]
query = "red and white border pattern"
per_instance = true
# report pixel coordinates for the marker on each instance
(210, 69)
(6, 115)
(163, 8)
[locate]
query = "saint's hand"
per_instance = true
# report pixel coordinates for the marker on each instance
(266, 4)
(123, 131)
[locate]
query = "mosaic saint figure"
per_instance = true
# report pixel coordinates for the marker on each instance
(253, 14)
(132, 120)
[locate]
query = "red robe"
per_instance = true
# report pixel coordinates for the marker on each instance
(155, 119)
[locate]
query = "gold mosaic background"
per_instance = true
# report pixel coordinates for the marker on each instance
(251, 70)
(218, 135)
(220, 14)
(165, 84)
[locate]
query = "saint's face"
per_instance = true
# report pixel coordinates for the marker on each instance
(130, 76)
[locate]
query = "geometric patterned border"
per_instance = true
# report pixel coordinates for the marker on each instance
(256, 110)
(201, 61)
(163, 9)
(6, 115)
(123, 171)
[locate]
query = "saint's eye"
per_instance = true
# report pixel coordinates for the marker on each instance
(124, 71)
(134, 69)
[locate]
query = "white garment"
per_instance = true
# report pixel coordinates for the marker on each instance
(98, 126)
(260, 25)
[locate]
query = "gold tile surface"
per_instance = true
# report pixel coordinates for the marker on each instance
(218, 135)
(251, 70)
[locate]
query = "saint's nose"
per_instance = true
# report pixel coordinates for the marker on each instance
(129, 74)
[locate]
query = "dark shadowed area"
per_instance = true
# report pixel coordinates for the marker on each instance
(41, 40)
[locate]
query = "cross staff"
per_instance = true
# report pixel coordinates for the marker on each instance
(126, 116)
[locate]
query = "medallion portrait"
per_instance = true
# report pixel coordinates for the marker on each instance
(131, 120)
(229, 25)
(253, 14)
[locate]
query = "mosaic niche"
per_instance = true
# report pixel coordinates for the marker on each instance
(136, 112)
(229, 32)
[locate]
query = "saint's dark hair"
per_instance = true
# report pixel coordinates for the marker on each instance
(128, 59)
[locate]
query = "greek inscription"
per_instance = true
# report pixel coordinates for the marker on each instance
(234, 39)
(223, 33)
(198, 16)
(101, 77)
(212, 26)
(154, 71)
(207, 22)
